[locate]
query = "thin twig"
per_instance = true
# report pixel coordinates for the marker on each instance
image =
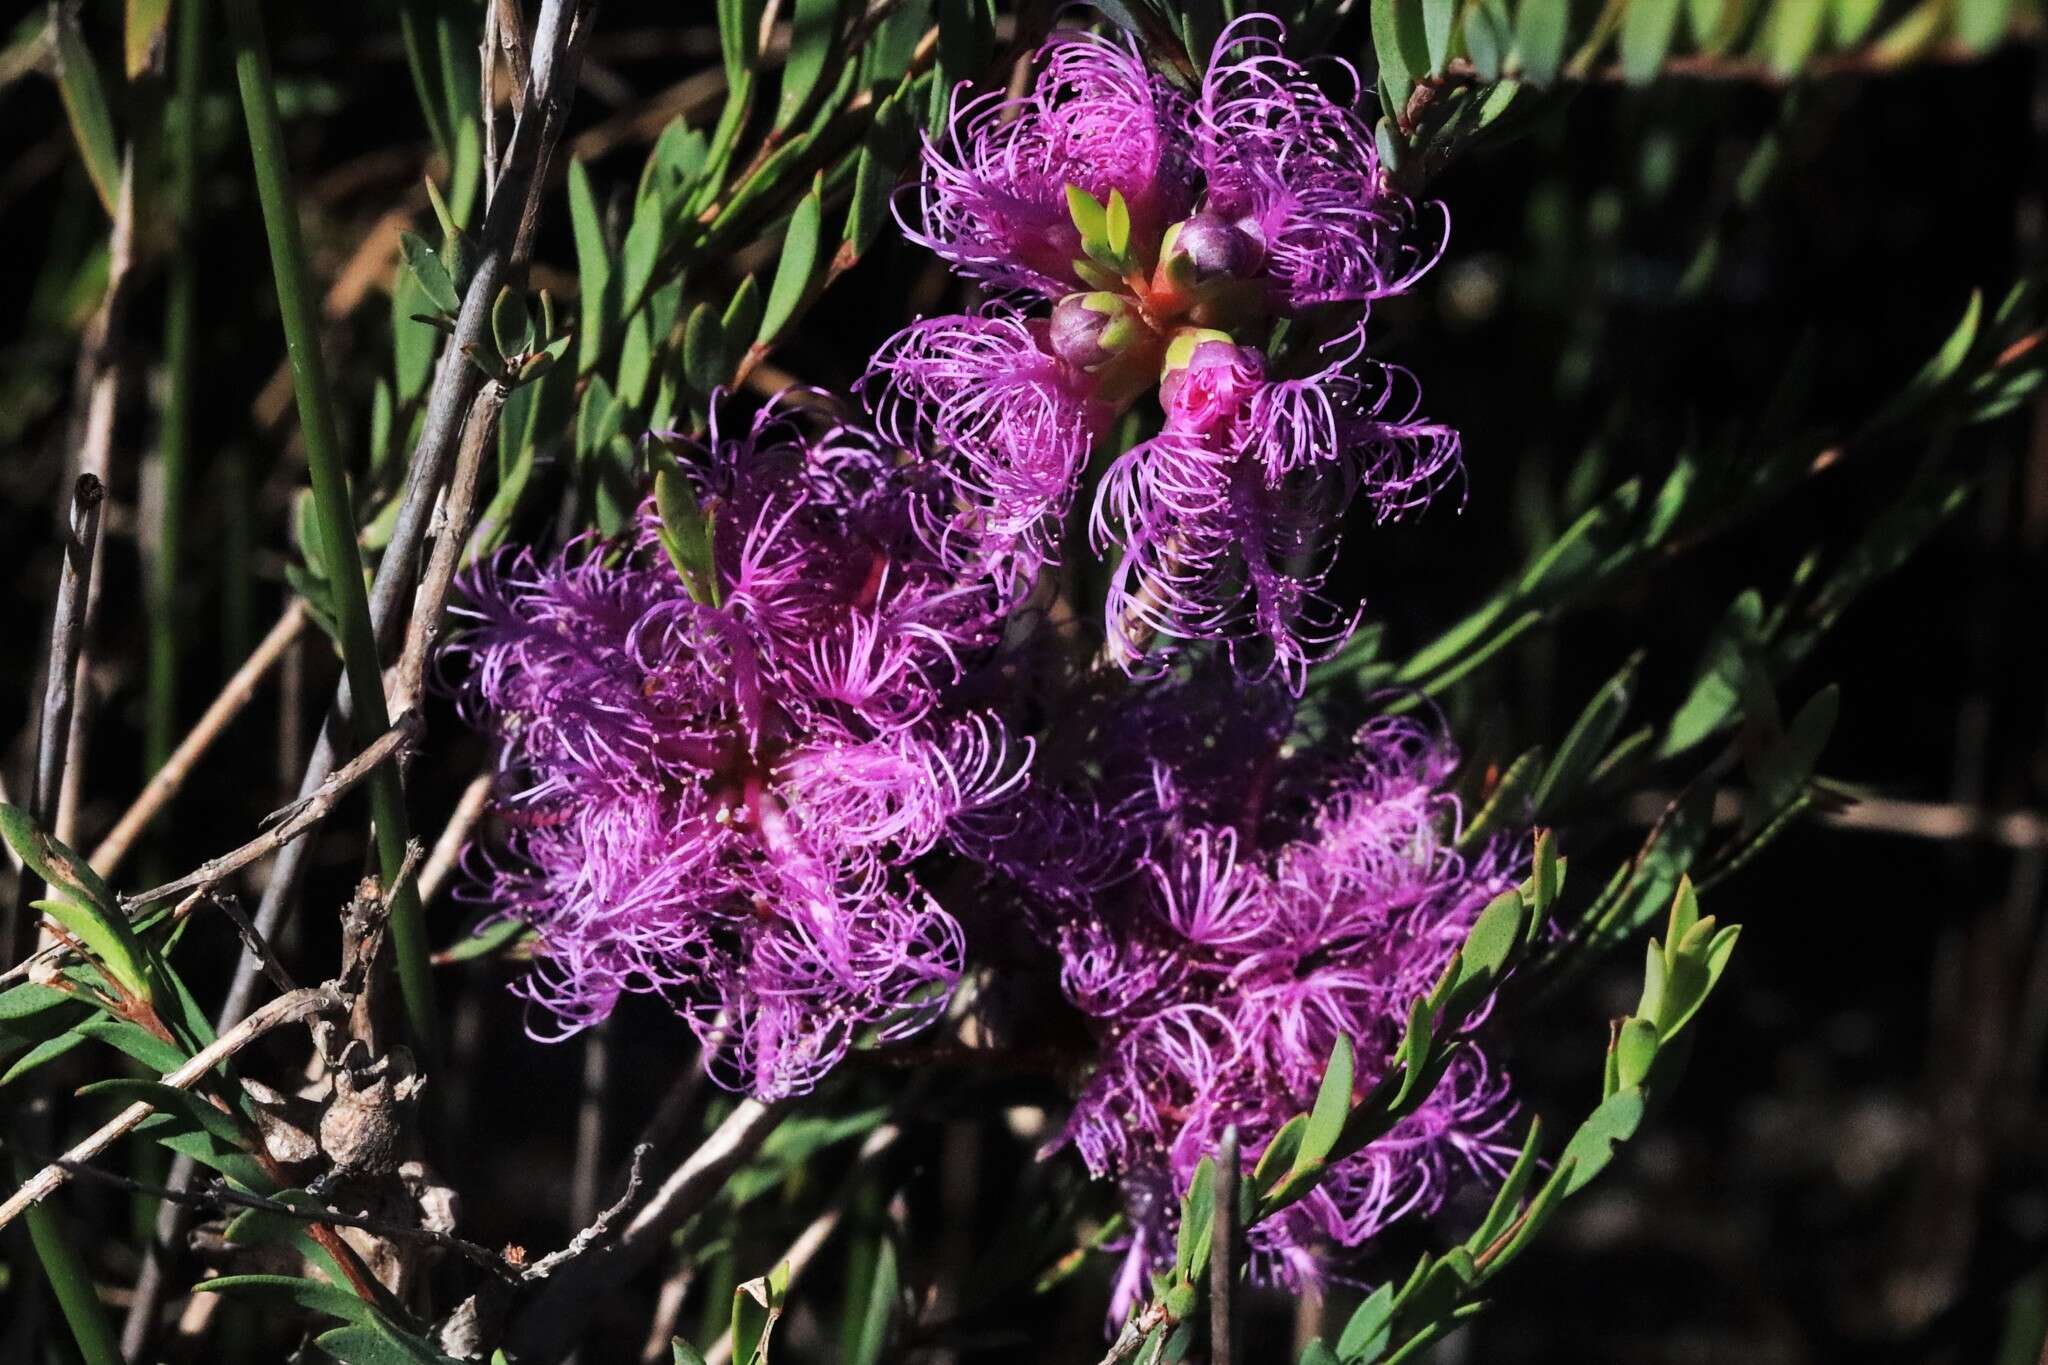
(563, 26)
(254, 942)
(218, 1194)
(170, 778)
(283, 1010)
(67, 638)
(469, 809)
(548, 1326)
(296, 818)
(456, 512)
(583, 1241)
(99, 367)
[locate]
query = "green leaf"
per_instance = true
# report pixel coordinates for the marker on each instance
(1635, 1047)
(1365, 1334)
(1117, 225)
(29, 998)
(310, 1295)
(794, 269)
(109, 941)
(1439, 26)
(755, 1307)
(1647, 28)
(413, 343)
(1782, 770)
(1486, 33)
(871, 1334)
(1508, 1198)
(637, 259)
(55, 862)
(882, 157)
(85, 105)
(430, 272)
(1278, 1158)
(1197, 1221)
(1509, 803)
(1791, 32)
(1592, 1146)
(143, 33)
(686, 534)
(813, 40)
(1317, 1353)
(1850, 20)
(49, 1050)
(511, 324)
(376, 1343)
(1717, 693)
(1540, 27)
(1401, 46)
(683, 1353)
(599, 300)
(704, 367)
(1588, 738)
(739, 31)
(197, 1112)
(1090, 219)
(1332, 1106)
(1489, 947)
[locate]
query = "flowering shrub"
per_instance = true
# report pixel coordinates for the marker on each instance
(882, 647)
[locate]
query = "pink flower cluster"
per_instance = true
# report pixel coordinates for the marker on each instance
(1175, 239)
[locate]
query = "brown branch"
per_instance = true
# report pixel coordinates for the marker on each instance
(296, 819)
(469, 809)
(67, 640)
(314, 1000)
(457, 510)
(549, 1326)
(240, 690)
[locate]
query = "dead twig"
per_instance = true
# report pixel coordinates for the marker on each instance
(457, 509)
(286, 1009)
(170, 778)
(469, 809)
(549, 1326)
(67, 640)
(295, 819)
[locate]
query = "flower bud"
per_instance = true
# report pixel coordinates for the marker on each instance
(1090, 330)
(1208, 380)
(1212, 248)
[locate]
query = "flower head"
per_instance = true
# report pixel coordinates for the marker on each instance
(1169, 235)
(717, 787)
(1286, 894)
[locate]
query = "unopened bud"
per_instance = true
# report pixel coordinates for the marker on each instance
(1089, 330)
(1212, 248)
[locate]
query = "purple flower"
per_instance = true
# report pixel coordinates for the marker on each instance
(1298, 173)
(717, 801)
(1169, 235)
(1228, 518)
(995, 195)
(1284, 893)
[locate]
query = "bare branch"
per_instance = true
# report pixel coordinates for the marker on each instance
(295, 819)
(549, 1326)
(283, 1010)
(240, 690)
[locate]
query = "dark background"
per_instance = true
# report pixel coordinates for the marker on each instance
(1853, 1168)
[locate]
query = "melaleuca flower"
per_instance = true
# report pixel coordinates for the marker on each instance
(1226, 518)
(1284, 892)
(726, 743)
(1168, 235)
